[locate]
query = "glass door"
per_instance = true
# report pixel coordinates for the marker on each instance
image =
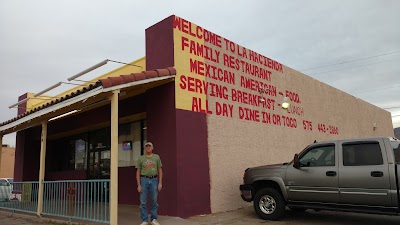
(99, 154)
(105, 162)
(99, 163)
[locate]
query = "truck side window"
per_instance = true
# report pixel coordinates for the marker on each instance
(3, 182)
(319, 156)
(396, 150)
(362, 154)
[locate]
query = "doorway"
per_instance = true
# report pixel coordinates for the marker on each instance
(99, 163)
(99, 154)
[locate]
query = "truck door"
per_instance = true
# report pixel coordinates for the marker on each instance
(395, 144)
(316, 180)
(364, 173)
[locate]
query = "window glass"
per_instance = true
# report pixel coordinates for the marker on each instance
(3, 183)
(80, 154)
(92, 150)
(78, 151)
(319, 156)
(362, 154)
(396, 150)
(130, 143)
(99, 153)
(144, 134)
(100, 139)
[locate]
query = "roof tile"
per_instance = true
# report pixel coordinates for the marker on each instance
(117, 80)
(129, 78)
(163, 72)
(151, 74)
(172, 70)
(106, 82)
(140, 76)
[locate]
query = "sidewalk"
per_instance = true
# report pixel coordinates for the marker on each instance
(130, 215)
(127, 215)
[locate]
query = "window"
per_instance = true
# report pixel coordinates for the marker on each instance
(319, 156)
(80, 147)
(130, 140)
(77, 152)
(3, 182)
(396, 150)
(92, 150)
(362, 154)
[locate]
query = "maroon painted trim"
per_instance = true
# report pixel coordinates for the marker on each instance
(193, 164)
(160, 109)
(160, 45)
(19, 156)
(66, 175)
(161, 130)
(179, 136)
(127, 186)
(22, 107)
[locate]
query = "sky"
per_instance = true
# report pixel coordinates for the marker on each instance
(351, 45)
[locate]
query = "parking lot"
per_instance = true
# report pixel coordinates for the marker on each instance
(248, 216)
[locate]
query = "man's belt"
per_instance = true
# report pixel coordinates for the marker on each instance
(155, 176)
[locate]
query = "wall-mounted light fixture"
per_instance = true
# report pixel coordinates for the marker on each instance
(261, 91)
(285, 103)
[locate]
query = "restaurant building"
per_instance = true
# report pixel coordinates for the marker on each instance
(211, 107)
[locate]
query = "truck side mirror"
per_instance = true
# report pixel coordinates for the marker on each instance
(296, 161)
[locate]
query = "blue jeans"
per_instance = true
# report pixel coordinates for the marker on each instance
(149, 185)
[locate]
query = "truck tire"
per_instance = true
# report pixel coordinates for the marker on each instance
(269, 204)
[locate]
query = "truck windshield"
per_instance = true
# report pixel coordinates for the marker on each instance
(396, 150)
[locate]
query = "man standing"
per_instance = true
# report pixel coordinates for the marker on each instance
(149, 179)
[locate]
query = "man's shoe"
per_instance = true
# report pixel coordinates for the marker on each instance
(144, 223)
(154, 222)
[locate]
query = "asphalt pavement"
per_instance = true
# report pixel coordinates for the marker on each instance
(309, 217)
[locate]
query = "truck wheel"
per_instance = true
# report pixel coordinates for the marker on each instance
(269, 204)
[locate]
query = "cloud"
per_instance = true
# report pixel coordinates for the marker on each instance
(44, 41)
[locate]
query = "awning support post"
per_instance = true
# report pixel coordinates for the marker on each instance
(1, 149)
(114, 159)
(42, 168)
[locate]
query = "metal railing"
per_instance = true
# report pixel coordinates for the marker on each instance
(19, 196)
(73, 199)
(78, 199)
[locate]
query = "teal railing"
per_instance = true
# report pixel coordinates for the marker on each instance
(19, 196)
(73, 199)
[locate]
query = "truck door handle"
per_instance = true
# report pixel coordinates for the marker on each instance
(331, 173)
(376, 174)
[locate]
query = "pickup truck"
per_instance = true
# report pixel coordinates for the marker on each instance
(6, 186)
(354, 175)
